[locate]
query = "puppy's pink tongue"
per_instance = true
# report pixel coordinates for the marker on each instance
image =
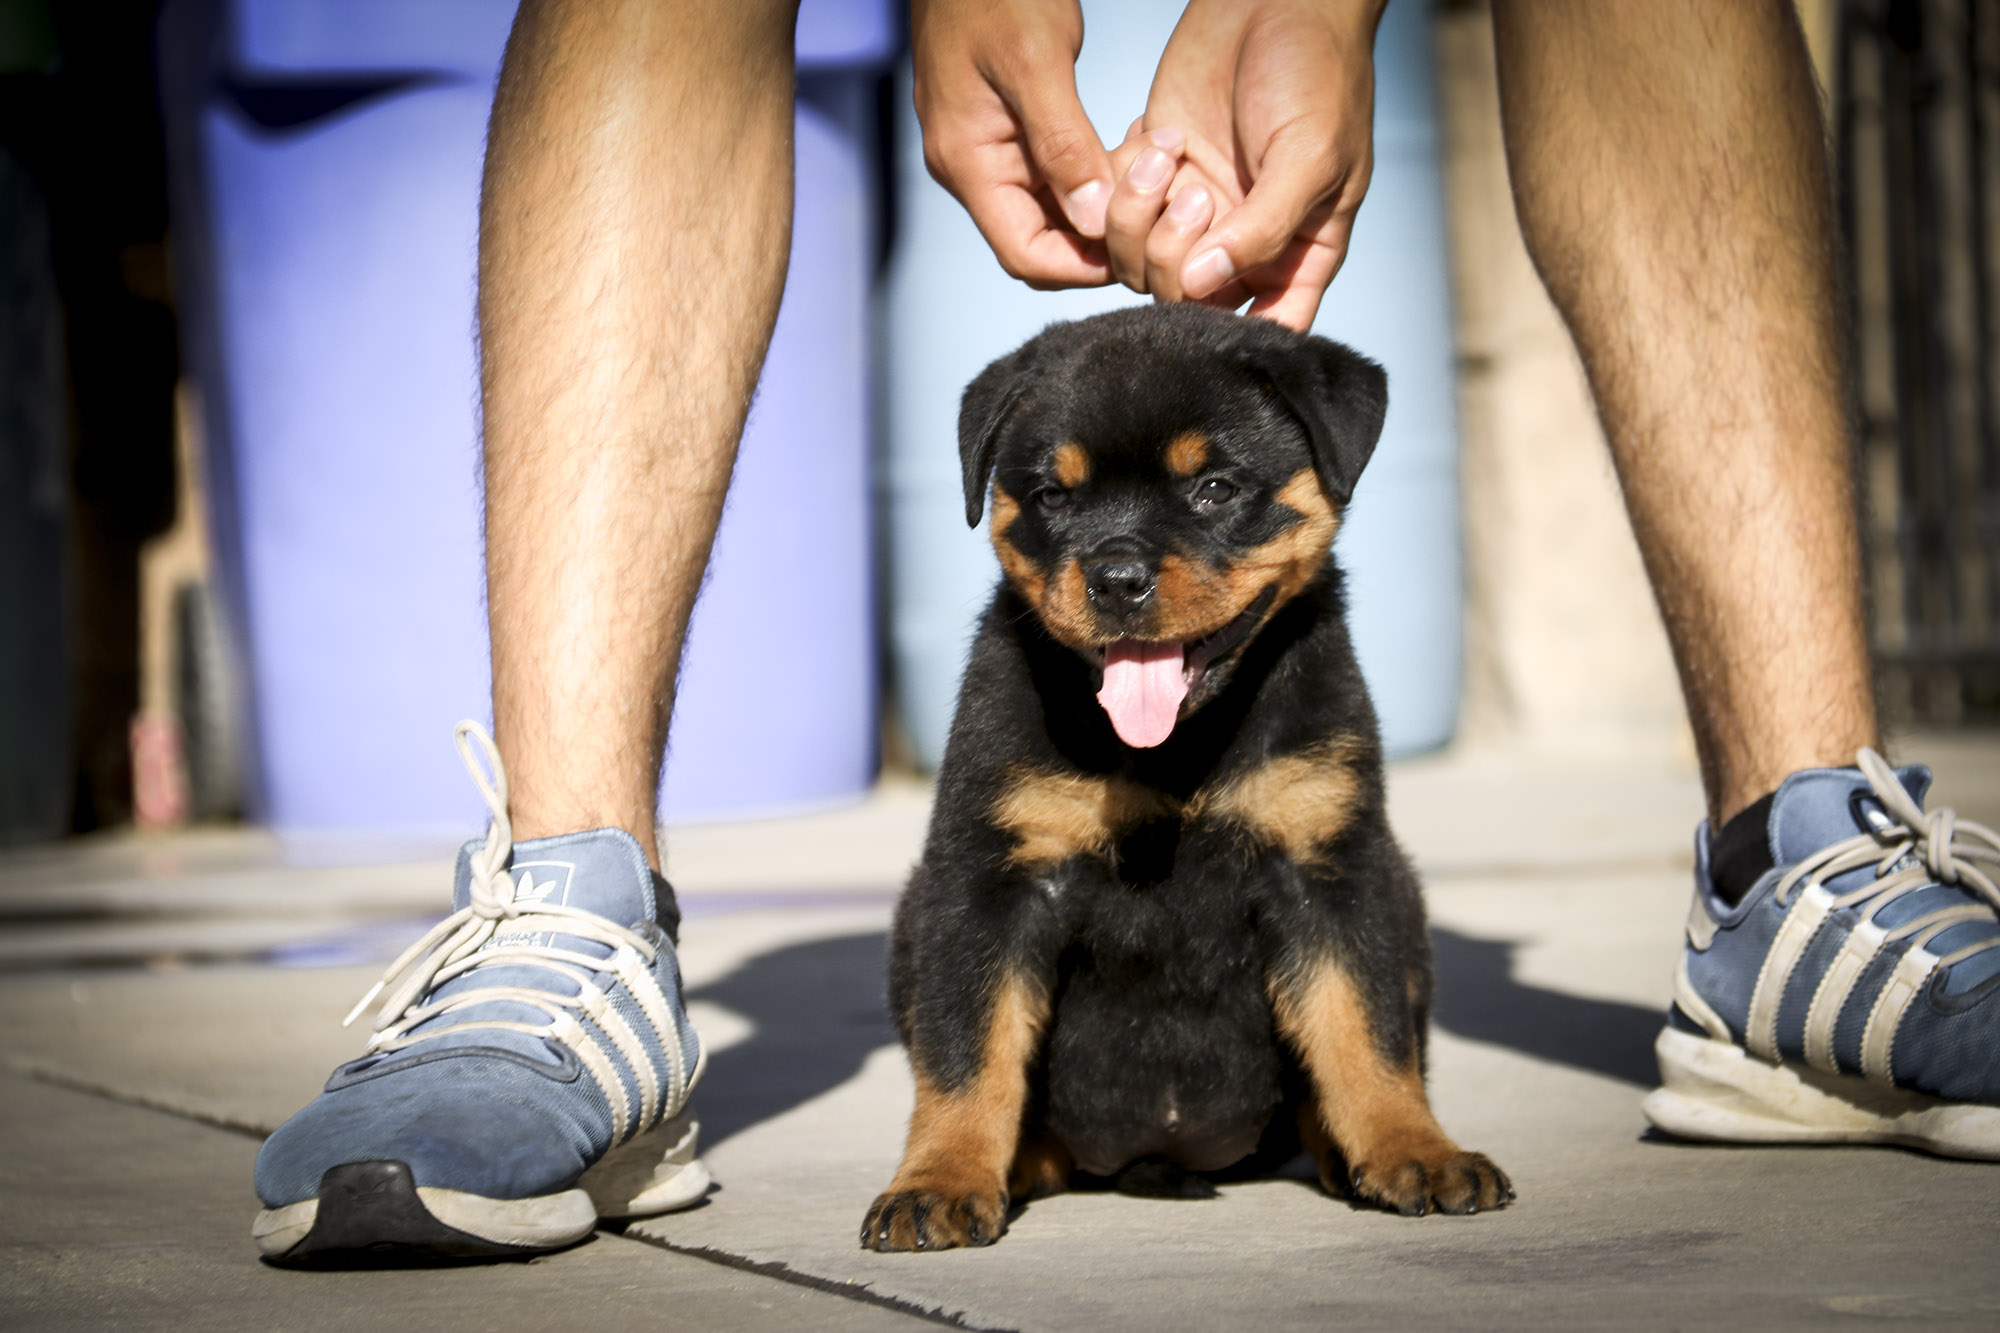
(1143, 689)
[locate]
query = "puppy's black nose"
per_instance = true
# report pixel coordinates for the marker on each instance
(1118, 587)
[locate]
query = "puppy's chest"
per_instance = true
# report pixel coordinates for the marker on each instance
(1242, 833)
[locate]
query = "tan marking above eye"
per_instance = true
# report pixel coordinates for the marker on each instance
(1187, 453)
(1054, 816)
(1299, 802)
(1072, 464)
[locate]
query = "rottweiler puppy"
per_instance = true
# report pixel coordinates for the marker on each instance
(1160, 927)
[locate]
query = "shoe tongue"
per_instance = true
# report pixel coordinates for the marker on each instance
(1144, 684)
(602, 871)
(1820, 806)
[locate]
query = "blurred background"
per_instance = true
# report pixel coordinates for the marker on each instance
(240, 572)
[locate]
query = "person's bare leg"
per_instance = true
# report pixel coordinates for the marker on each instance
(1669, 171)
(634, 231)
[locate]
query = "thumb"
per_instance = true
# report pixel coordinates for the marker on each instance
(1065, 149)
(1298, 176)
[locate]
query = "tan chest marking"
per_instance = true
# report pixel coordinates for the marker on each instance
(1300, 802)
(1054, 816)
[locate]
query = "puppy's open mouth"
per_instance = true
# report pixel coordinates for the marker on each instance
(1146, 681)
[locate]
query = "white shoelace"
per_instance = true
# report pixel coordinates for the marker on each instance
(1919, 848)
(465, 940)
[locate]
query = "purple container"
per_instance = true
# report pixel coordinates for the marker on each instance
(326, 156)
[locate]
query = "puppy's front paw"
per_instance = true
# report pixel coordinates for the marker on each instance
(1442, 1179)
(933, 1219)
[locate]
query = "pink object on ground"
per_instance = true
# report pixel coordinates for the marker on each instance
(1144, 684)
(160, 797)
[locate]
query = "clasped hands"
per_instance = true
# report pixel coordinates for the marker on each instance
(1239, 183)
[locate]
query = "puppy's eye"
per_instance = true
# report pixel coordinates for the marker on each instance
(1213, 493)
(1052, 498)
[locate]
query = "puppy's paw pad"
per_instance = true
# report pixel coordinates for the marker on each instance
(1448, 1181)
(927, 1219)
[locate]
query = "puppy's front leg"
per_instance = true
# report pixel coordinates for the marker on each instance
(951, 1189)
(1377, 1139)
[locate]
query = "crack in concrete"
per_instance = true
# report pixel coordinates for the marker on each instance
(783, 1272)
(56, 1078)
(772, 1269)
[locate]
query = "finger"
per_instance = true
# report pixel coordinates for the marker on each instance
(1168, 139)
(1297, 179)
(1032, 239)
(1137, 203)
(1064, 148)
(1290, 290)
(1229, 298)
(1185, 221)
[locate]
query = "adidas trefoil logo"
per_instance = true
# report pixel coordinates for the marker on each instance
(527, 891)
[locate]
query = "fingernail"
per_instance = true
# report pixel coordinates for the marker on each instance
(1168, 138)
(1206, 272)
(1151, 170)
(1086, 207)
(1190, 205)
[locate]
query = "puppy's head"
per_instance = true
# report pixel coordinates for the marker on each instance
(1164, 479)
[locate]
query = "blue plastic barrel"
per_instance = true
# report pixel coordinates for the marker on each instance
(951, 310)
(326, 156)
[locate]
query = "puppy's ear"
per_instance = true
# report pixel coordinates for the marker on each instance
(981, 414)
(1340, 397)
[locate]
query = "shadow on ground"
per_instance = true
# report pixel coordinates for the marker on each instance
(1478, 997)
(817, 1011)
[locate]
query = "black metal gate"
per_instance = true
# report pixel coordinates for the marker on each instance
(1918, 124)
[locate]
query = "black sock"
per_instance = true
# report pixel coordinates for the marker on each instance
(1740, 852)
(665, 909)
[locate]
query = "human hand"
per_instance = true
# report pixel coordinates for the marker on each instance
(1005, 133)
(1241, 181)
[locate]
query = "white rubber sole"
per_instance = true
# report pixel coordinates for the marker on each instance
(656, 1172)
(1716, 1090)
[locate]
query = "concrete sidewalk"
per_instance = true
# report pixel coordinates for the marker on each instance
(165, 1002)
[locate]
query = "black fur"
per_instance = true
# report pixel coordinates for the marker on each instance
(1335, 395)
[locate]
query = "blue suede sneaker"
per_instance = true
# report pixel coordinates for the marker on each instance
(1853, 996)
(528, 1073)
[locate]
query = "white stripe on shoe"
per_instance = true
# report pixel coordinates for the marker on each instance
(1878, 1039)
(1795, 933)
(1856, 952)
(508, 924)
(1714, 1088)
